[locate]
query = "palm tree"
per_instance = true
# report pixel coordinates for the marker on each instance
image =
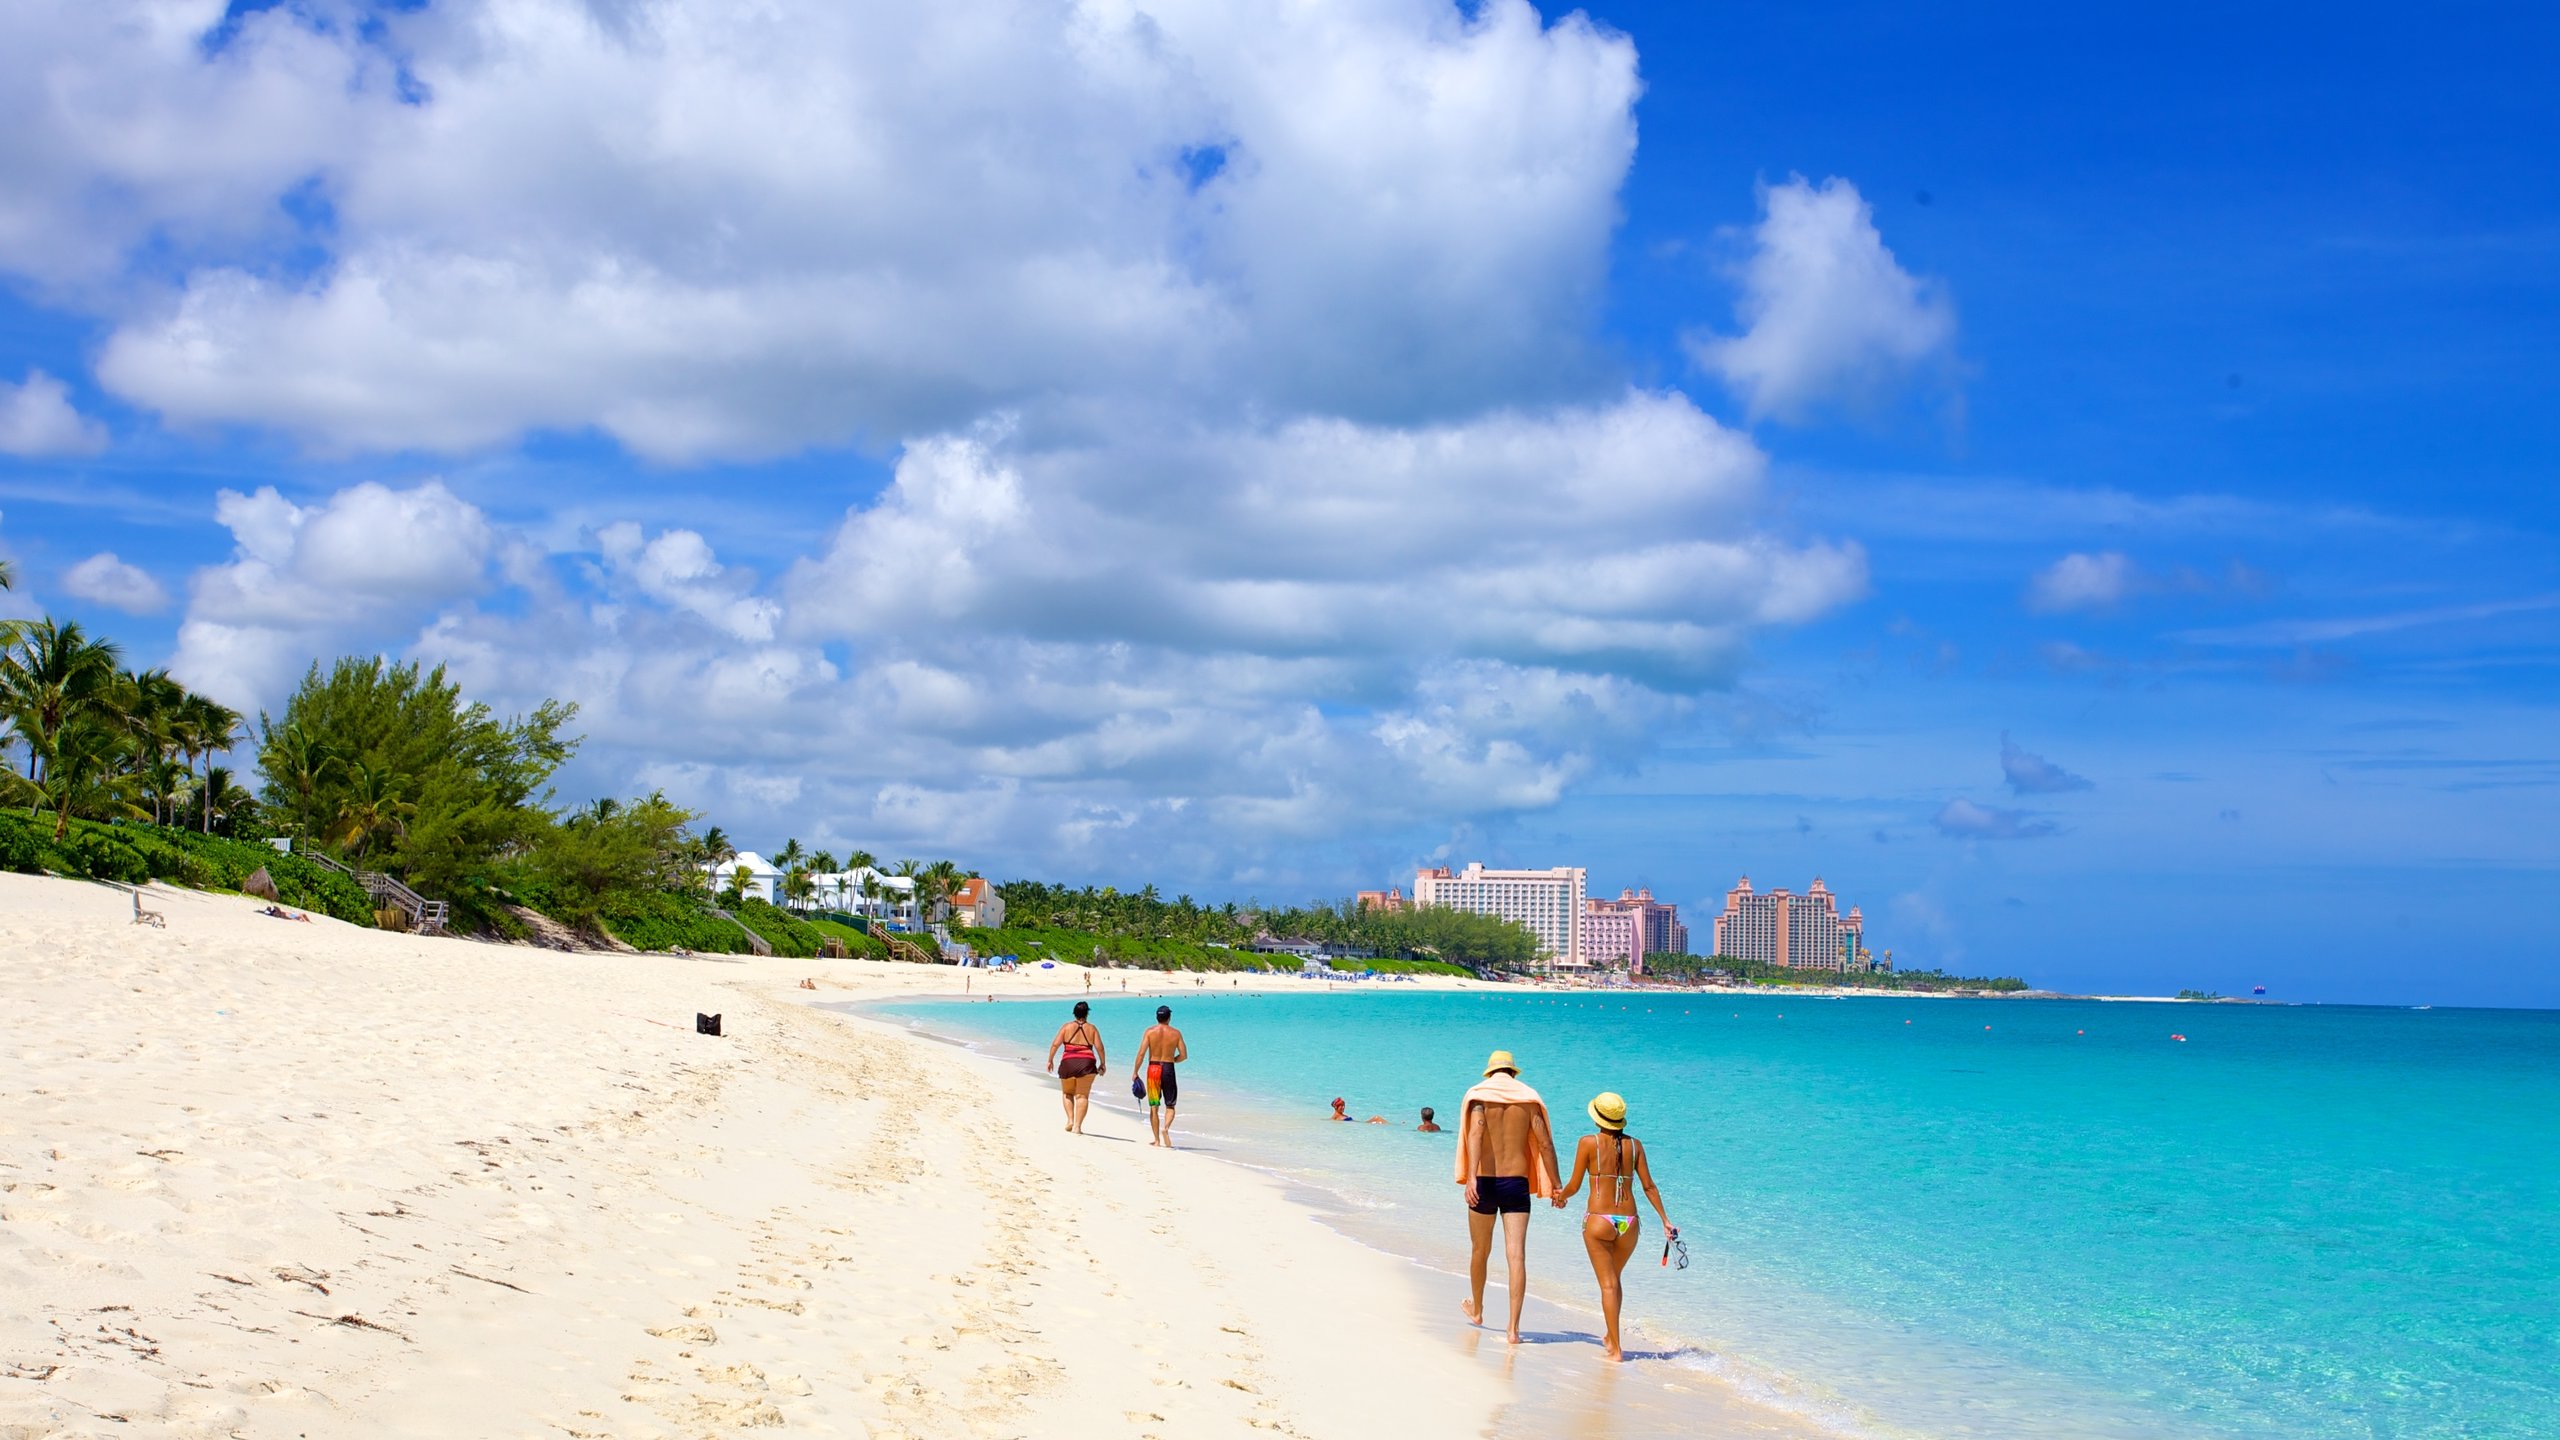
(221, 796)
(210, 728)
(85, 772)
(798, 887)
(299, 765)
(789, 855)
(376, 804)
(912, 873)
(716, 851)
(55, 673)
(739, 880)
(858, 862)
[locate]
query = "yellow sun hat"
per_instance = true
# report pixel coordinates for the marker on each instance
(1609, 1111)
(1501, 1060)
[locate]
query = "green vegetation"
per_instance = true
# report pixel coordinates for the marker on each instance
(134, 853)
(2199, 995)
(1129, 922)
(387, 766)
(1690, 967)
(101, 742)
(1084, 947)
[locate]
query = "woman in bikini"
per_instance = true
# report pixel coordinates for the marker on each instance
(1615, 1161)
(1076, 1069)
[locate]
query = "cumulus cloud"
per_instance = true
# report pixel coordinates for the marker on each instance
(1610, 538)
(2083, 582)
(1962, 819)
(1828, 315)
(37, 419)
(1146, 650)
(303, 578)
(105, 580)
(2032, 774)
(708, 234)
(1254, 478)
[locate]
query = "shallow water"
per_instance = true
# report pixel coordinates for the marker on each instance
(1979, 1218)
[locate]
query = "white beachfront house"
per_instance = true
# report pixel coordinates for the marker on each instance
(763, 880)
(892, 897)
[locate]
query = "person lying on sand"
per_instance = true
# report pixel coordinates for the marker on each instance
(1427, 1126)
(1506, 1155)
(1615, 1161)
(1076, 1070)
(283, 914)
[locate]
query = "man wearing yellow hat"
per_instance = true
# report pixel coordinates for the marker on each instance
(1506, 1156)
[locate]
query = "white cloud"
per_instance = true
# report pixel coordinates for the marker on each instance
(2081, 581)
(128, 129)
(106, 580)
(2031, 774)
(1612, 538)
(37, 419)
(1962, 819)
(709, 234)
(305, 578)
(1828, 314)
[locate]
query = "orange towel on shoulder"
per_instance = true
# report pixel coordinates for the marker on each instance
(1506, 1090)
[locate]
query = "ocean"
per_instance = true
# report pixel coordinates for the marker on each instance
(1968, 1218)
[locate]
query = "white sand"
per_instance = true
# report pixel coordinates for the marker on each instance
(267, 1179)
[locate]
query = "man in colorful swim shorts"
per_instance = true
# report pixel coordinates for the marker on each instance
(1506, 1154)
(1158, 1051)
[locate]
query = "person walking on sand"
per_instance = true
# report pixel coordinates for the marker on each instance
(1506, 1155)
(1081, 1063)
(1158, 1051)
(1615, 1161)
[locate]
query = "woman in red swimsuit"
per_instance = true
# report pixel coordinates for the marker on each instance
(1078, 1066)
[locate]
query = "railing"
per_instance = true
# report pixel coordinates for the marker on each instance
(426, 917)
(755, 942)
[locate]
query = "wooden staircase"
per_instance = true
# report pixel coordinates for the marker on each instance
(755, 942)
(426, 917)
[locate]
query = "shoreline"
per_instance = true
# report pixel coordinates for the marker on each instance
(1555, 1382)
(272, 1179)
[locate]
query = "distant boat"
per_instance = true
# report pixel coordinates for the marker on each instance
(2258, 990)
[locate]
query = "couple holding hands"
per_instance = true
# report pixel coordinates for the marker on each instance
(1507, 1157)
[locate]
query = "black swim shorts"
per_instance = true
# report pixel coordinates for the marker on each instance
(1501, 1195)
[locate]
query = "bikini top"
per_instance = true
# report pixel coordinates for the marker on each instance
(1078, 1049)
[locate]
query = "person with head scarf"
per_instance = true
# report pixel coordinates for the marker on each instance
(1506, 1155)
(1616, 1163)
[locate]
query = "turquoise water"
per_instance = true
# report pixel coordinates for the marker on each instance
(1980, 1218)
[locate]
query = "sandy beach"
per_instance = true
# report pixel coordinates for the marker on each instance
(261, 1178)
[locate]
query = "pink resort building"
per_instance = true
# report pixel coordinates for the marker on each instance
(1779, 927)
(1631, 927)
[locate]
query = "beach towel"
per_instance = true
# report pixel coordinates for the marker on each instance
(1505, 1090)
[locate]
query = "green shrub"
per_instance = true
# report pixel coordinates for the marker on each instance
(786, 933)
(133, 854)
(666, 920)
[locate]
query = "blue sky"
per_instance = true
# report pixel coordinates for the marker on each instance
(1259, 453)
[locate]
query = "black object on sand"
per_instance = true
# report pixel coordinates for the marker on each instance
(705, 1024)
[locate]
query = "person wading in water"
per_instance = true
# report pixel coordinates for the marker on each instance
(1158, 1051)
(1615, 1161)
(1076, 1070)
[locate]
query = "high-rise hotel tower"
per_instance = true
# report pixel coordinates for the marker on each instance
(1549, 902)
(1779, 927)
